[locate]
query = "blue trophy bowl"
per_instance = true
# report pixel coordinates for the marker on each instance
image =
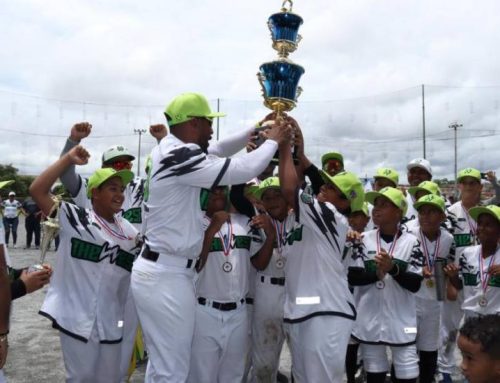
(279, 80)
(285, 26)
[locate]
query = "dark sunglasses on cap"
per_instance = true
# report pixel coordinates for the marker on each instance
(120, 165)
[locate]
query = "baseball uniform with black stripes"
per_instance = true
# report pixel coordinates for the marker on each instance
(163, 285)
(387, 314)
(319, 308)
(88, 291)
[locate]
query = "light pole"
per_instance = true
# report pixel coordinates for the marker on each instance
(140, 132)
(455, 126)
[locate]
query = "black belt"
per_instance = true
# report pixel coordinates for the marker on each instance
(221, 306)
(153, 256)
(249, 301)
(273, 281)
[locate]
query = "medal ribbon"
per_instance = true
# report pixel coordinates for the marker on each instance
(118, 234)
(430, 260)
(280, 234)
(393, 244)
(227, 239)
(485, 280)
(470, 222)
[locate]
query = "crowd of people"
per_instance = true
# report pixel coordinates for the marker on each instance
(214, 260)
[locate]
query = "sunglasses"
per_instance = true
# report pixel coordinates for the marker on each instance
(120, 165)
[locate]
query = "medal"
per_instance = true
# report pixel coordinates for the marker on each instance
(227, 266)
(380, 285)
(226, 240)
(280, 241)
(280, 263)
(484, 276)
(117, 234)
(430, 260)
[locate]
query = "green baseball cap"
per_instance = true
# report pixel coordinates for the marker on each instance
(427, 186)
(350, 185)
(187, 106)
(116, 151)
(363, 209)
(331, 156)
(102, 175)
(268, 183)
(388, 173)
(431, 199)
(493, 210)
(396, 196)
(6, 183)
(469, 172)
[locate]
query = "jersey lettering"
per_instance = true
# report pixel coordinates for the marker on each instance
(469, 279)
(294, 235)
(238, 242)
(133, 215)
(462, 240)
(88, 251)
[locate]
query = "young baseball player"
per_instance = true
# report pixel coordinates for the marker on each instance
(480, 265)
(385, 277)
(88, 291)
(319, 309)
(230, 246)
(332, 163)
(464, 232)
(267, 324)
(479, 342)
(438, 247)
(383, 177)
(419, 170)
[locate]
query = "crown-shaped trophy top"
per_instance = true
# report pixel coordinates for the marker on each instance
(284, 27)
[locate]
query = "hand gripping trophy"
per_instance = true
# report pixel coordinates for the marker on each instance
(50, 228)
(279, 79)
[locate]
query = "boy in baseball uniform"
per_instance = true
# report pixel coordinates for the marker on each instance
(88, 291)
(386, 276)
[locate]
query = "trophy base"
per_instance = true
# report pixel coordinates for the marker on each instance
(34, 268)
(279, 104)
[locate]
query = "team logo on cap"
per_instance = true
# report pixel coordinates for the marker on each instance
(387, 172)
(353, 194)
(120, 148)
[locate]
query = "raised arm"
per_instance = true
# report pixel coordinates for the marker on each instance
(289, 180)
(69, 178)
(40, 188)
(232, 144)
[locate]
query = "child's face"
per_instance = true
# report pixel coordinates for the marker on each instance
(381, 183)
(331, 193)
(488, 228)
(385, 212)
(470, 187)
(358, 221)
(430, 218)
(477, 366)
(274, 203)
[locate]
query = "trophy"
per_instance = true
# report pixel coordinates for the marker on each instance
(279, 79)
(440, 277)
(50, 228)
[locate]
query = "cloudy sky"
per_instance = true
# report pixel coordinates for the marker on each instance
(117, 64)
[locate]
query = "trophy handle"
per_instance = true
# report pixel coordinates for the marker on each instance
(299, 92)
(299, 39)
(285, 9)
(261, 79)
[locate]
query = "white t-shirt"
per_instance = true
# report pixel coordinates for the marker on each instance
(172, 206)
(473, 290)
(464, 230)
(11, 209)
(387, 315)
(92, 274)
(225, 277)
(316, 282)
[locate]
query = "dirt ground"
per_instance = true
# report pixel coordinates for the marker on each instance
(35, 352)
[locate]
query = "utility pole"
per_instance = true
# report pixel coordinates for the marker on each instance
(140, 132)
(423, 119)
(455, 126)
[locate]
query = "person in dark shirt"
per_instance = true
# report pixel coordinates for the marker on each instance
(32, 222)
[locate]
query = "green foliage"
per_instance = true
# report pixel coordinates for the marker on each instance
(21, 183)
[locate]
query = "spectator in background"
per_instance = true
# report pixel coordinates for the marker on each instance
(491, 177)
(11, 209)
(32, 222)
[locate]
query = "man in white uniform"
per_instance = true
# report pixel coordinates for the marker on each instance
(162, 277)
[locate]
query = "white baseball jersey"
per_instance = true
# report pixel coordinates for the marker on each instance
(276, 268)
(316, 282)
(387, 315)
(444, 245)
(172, 201)
(92, 274)
(464, 230)
(411, 212)
(11, 209)
(131, 207)
(470, 261)
(225, 276)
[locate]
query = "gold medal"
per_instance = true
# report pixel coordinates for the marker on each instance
(429, 283)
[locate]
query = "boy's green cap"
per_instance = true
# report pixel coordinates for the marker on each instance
(268, 183)
(396, 196)
(431, 199)
(493, 210)
(388, 173)
(427, 186)
(469, 172)
(187, 106)
(102, 175)
(350, 185)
